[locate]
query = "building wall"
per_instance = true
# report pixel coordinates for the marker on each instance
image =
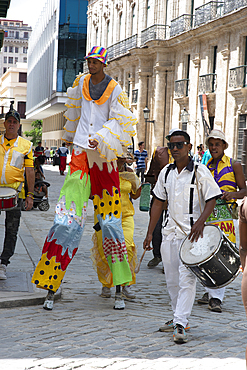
(12, 89)
(15, 43)
(167, 50)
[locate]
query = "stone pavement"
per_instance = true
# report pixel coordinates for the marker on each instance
(84, 332)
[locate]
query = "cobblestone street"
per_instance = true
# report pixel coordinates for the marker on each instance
(84, 332)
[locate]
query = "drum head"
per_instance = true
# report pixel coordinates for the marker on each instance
(197, 252)
(7, 192)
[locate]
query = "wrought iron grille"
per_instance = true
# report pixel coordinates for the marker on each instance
(181, 87)
(237, 77)
(208, 12)
(122, 47)
(231, 5)
(155, 32)
(134, 96)
(207, 83)
(85, 67)
(181, 24)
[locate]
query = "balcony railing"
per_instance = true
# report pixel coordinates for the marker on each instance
(181, 88)
(181, 24)
(238, 77)
(122, 47)
(207, 83)
(208, 12)
(134, 96)
(155, 32)
(231, 5)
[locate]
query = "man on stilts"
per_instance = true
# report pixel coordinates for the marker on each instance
(100, 126)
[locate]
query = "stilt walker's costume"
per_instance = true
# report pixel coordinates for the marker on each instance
(106, 120)
(129, 182)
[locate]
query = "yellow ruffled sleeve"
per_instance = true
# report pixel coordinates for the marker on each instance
(118, 130)
(73, 112)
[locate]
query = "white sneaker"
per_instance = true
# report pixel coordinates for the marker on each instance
(119, 302)
(3, 272)
(127, 293)
(49, 301)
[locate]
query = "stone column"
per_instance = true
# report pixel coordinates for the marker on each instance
(142, 101)
(159, 102)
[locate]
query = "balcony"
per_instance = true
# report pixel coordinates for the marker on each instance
(237, 77)
(231, 5)
(122, 47)
(155, 32)
(181, 88)
(208, 12)
(181, 24)
(207, 83)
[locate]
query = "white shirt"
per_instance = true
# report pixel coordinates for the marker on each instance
(93, 117)
(182, 195)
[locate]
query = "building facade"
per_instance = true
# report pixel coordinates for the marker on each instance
(15, 43)
(183, 59)
(13, 87)
(60, 34)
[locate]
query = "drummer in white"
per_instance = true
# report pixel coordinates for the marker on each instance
(177, 184)
(15, 157)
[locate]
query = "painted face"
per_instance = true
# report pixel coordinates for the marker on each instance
(182, 153)
(216, 148)
(12, 126)
(95, 66)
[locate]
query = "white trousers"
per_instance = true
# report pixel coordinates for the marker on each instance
(181, 283)
(216, 293)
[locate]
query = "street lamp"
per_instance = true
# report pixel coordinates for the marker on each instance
(146, 114)
(185, 117)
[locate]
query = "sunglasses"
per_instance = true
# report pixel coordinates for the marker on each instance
(179, 145)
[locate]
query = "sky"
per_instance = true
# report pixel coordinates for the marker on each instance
(27, 11)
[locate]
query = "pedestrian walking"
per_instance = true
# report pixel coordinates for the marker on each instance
(16, 156)
(243, 252)
(62, 152)
(47, 155)
(174, 184)
(99, 124)
(141, 157)
(229, 175)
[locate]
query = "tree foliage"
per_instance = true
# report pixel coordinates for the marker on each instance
(36, 133)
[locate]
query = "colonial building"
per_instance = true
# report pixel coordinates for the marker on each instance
(13, 87)
(15, 43)
(185, 60)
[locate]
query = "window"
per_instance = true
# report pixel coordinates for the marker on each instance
(16, 50)
(148, 13)
(16, 60)
(107, 33)
(134, 20)
(11, 33)
(5, 23)
(5, 33)
(25, 50)
(4, 69)
(10, 60)
(241, 127)
(21, 108)
(25, 35)
(17, 24)
(11, 24)
(17, 34)
(5, 49)
(25, 60)
(22, 77)
(5, 59)
(11, 49)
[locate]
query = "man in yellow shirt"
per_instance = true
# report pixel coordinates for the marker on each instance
(15, 157)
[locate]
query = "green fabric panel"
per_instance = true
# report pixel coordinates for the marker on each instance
(76, 190)
(120, 271)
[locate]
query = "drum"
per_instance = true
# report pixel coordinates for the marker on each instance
(213, 258)
(8, 198)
